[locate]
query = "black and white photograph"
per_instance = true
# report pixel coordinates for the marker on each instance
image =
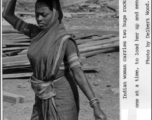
(74, 59)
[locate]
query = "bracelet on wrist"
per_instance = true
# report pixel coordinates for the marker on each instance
(93, 101)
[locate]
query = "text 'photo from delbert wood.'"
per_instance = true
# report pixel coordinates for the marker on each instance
(60, 60)
(135, 59)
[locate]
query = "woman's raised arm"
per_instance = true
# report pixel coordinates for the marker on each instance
(9, 12)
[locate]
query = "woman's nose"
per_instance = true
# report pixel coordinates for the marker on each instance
(39, 18)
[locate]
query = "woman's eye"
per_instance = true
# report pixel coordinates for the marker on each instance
(44, 15)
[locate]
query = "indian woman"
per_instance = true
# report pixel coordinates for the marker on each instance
(54, 59)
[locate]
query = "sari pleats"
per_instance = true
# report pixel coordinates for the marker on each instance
(66, 102)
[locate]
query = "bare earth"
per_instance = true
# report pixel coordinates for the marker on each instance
(105, 83)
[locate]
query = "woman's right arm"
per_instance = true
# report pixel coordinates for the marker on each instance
(9, 12)
(9, 15)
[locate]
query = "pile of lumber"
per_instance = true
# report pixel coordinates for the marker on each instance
(94, 44)
(15, 45)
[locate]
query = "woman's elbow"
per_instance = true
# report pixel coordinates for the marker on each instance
(79, 75)
(9, 18)
(77, 72)
(5, 16)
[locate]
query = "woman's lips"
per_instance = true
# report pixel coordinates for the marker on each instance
(41, 24)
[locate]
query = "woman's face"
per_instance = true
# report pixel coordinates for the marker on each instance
(43, 15)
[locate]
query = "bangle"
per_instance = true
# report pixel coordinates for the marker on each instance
(93, 101)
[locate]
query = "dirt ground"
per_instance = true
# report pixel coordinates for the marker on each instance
(105, 83)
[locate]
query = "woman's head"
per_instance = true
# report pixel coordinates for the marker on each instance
(46, 12)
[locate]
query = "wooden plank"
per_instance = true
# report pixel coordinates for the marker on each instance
(23, 52)
(12, 98)
(21, 38)
(92, 53)
(12, 35)
(12, 53)
(16, 63)
(15, 38)
(16, 44)
(87, 68)
(95, 39)
(86, 49)
(112, 7)
(7, 42)
(24, 67)
(14, 48)
(4, 40)
(99, 42)
(65, 3)
(16, 75)
(84, 36)
(14, 58)
(98, 32)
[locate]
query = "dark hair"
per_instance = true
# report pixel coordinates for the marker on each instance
(49, 3)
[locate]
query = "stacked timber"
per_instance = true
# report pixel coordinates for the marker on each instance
(15, 45)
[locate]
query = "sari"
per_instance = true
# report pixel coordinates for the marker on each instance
(55, 99)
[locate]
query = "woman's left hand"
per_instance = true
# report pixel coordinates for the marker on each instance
(99, 114)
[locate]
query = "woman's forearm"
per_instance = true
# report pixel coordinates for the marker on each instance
(83, 83)
(86, 88)
(9, 10)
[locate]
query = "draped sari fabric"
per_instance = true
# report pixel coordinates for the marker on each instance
(44, 49)
(54, 99)
(66, 102)
(45, 46)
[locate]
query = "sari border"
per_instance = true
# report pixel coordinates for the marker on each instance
(59, 51)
